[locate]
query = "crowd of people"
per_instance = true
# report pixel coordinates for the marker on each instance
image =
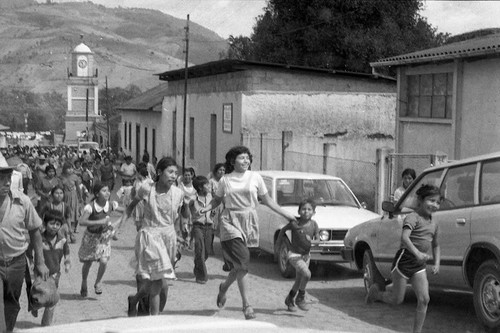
(170, 211)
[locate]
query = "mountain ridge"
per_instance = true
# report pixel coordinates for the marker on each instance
(129, 45)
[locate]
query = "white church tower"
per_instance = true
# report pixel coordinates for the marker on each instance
(83, 98)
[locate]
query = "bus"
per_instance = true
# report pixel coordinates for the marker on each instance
(86, 146)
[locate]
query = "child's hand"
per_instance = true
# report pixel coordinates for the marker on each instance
(435, 269)
(423, 257)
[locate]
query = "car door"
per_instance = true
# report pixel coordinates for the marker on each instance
(389, 232)
(454, 223)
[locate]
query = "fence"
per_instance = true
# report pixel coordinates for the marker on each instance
(317, 155)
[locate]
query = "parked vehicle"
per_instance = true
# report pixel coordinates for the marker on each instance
(86, 146)
(337, 210)
(469, 233)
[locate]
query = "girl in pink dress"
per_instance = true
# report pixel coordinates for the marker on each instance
(156, 241)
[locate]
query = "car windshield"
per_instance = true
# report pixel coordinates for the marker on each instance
(327, 192)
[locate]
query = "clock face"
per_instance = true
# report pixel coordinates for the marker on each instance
(82, 63)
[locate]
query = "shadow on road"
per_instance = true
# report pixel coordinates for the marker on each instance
(130, 283)
(447, 312)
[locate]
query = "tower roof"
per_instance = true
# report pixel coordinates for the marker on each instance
(82, 48)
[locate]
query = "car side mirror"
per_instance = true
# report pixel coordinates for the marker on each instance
(388, 206)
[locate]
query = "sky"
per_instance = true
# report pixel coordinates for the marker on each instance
(237, 17)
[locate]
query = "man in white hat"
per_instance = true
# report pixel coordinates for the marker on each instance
(18, 218)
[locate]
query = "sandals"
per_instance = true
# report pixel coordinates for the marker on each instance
(248, 312)
(98, 289)
(221, 298)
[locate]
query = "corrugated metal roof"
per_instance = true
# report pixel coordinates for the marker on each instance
(147, 101)
(232, 65)
(479, 46)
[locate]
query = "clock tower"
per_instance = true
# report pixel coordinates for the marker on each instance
(83, 98)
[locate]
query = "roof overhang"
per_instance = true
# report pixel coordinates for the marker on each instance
(230, 65)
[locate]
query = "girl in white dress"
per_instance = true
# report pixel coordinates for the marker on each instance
(240, 190)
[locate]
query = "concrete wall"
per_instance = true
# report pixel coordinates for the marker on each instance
(201, 107)
(332, 133)
(145, 119)
(480, 123)
(281, 80)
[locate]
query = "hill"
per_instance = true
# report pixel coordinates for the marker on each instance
(130, 45)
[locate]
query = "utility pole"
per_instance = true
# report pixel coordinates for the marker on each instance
(107, 117)
(185, 96)
(87, 113)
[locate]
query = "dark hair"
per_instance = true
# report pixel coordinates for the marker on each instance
(67, 166)
(427, 190)
(199, 182)
(164, 163)
(217, 167)
(55, 188)
(232, 154)
(307, 201)
(98, 186)
(142, 169)
(53, 214)
(145, 158)
(50, 167)
(409, 172)
(189, 169)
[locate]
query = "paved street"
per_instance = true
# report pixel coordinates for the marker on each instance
(337, 295)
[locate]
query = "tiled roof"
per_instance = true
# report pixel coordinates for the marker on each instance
(150, 100)
(479, 46)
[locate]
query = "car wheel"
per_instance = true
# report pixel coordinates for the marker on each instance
(286, 269)
(487, 293)
(371, 274)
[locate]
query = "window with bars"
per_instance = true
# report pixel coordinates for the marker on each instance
(429, 96)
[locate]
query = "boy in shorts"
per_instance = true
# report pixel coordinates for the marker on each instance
(304, 230)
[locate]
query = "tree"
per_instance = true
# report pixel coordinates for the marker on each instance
(45, 111)
(115, 97)
(337, 34)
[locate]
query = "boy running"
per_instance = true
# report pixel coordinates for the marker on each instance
(303, 231)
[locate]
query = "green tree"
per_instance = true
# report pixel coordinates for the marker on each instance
(115, 97)
(337, 34)
(45, 111)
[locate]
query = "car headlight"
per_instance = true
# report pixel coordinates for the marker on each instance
(324, 235)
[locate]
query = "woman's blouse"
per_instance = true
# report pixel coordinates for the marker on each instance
(241, 190)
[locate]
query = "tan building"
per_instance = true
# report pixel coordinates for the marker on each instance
(291, 117)
(449, 98)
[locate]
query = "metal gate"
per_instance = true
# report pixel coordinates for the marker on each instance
(398, 162)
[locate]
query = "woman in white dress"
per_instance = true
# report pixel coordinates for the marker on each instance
(240, 190)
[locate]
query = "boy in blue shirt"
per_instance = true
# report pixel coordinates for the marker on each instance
(304, 230)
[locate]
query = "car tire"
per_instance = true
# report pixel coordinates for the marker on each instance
(286, 270)
(487, 293)
(371, 274)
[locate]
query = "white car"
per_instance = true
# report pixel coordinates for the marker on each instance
(337, 211)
